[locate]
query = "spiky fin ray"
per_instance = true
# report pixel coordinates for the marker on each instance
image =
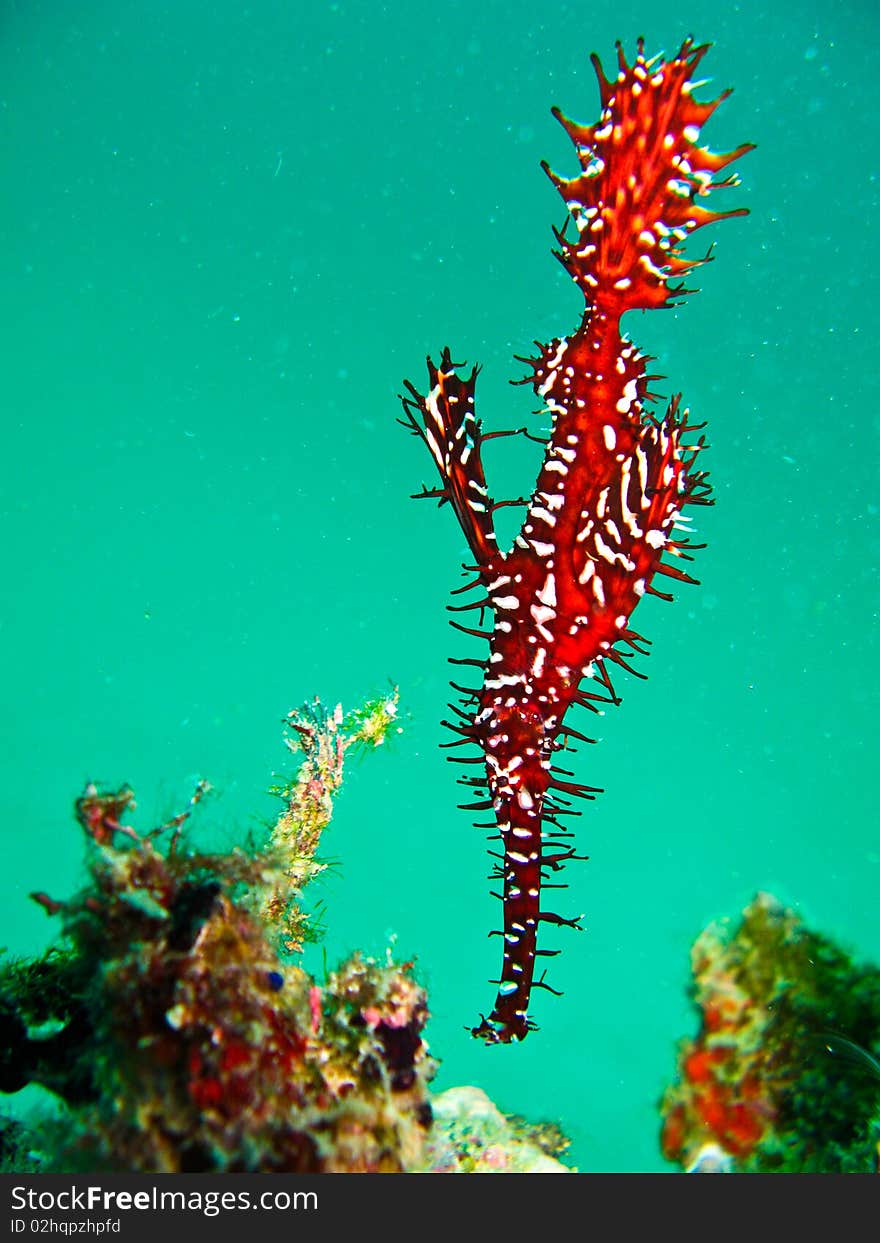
(634, 202)
(448, 426)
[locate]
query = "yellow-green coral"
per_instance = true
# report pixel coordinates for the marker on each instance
(324, 739)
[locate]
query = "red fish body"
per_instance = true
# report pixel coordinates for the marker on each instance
(609, 495)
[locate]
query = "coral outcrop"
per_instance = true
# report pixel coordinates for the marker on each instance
(471, 1135)
(175, 1020)
(781, 1077)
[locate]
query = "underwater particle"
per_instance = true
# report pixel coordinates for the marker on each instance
(771, 1082)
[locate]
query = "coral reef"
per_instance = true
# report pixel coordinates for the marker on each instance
(472, 1136)
(174, 1020)
(781, 1077)
(177, 1028)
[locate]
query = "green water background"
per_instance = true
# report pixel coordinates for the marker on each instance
(227, 232)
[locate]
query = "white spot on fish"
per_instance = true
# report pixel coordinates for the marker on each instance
(547, 594)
